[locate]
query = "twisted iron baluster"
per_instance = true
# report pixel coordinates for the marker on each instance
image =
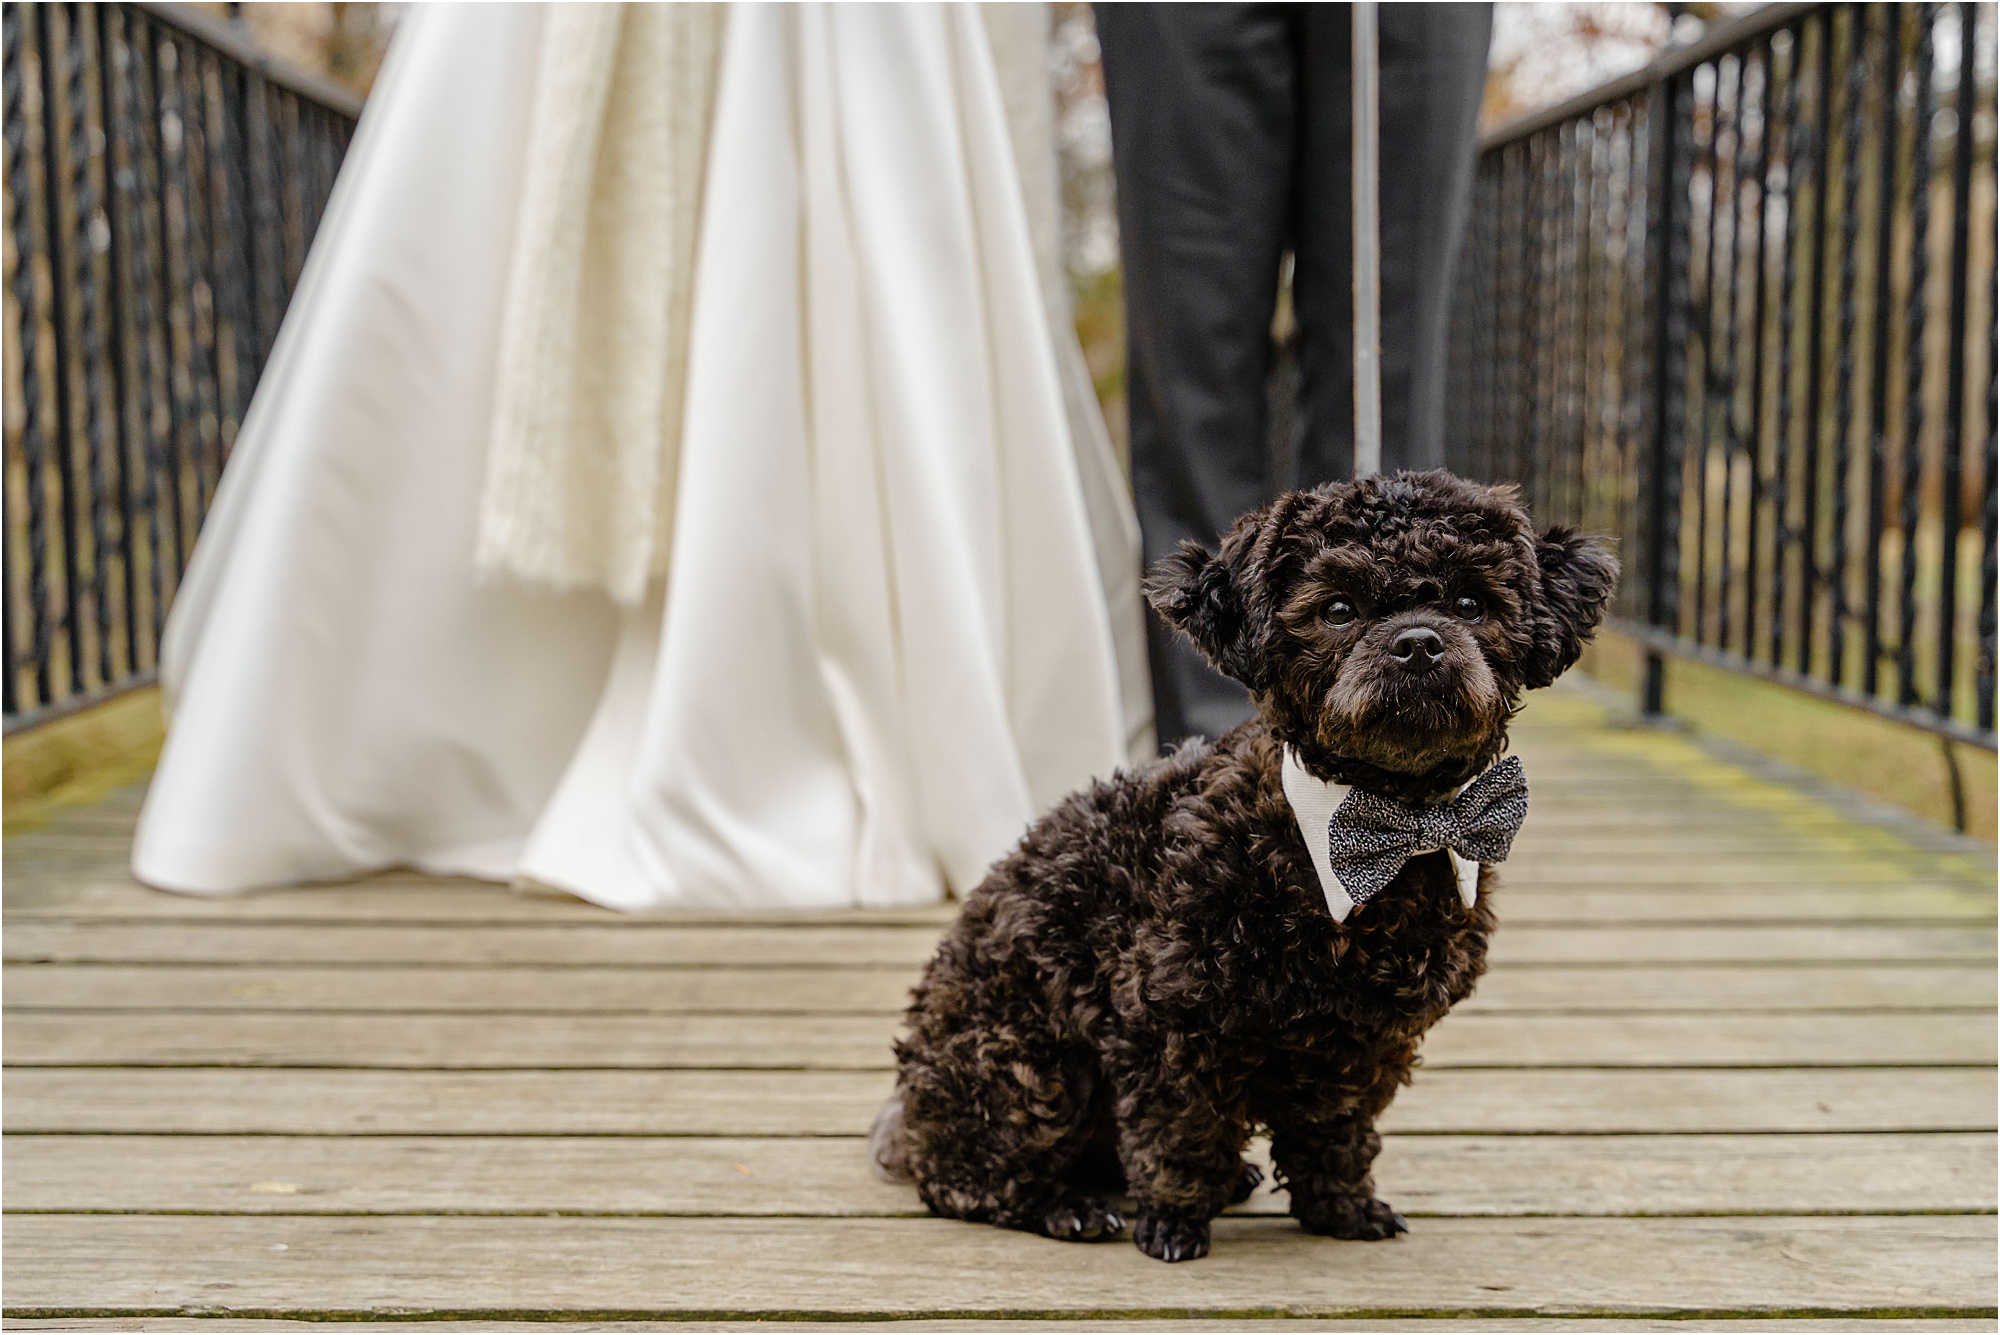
(312, 160)
(1544, 438)
(1618, 318)
(1954, 434)
(146, 187)
(1878, 398)
(336, 151)
(204, 314)
(1507, 328)
(1797, 152)
(1760, 269)
(1517, 322)
(1815, 343)
(1598, 424)
(1576, 321)
(1843, 391)
(182, 342)
(1638, 203)
(1697, 453)
(1680, 307)
(1517, 372)
(298, 226)
(1726, 384)
(1674, 307)
(1590, 399)
(1565, 421)
(1984, 677)
(268, 210)
(34, 443)
(1529, 439)
(1916, 313)
(1486, 344)
(240, 246)
(118, 181)
(61, 259)
(1588, 378)
(90, 226)
(1555, 446)
(321, 146)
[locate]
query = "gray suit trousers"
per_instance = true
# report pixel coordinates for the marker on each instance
(1232, 132)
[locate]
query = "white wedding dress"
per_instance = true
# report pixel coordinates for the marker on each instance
(893, 625)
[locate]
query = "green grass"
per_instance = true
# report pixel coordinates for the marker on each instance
(1899, 765)
(78, 760)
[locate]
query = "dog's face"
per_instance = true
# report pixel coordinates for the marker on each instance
(1389, 624)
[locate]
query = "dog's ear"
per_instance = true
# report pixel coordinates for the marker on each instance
(1202, 595)
(1579, 573)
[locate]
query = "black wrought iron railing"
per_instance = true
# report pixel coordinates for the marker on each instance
(163, 182)
(1738, 310)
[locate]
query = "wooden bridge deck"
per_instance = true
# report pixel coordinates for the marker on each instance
(1735, 1058)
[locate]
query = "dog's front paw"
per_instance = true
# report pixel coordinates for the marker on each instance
(1356, 1218)
(1252, 1177)
(1171, 1237)
(1081, 1220)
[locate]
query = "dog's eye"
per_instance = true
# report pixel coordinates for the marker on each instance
(1468, 609)
(1339, 612)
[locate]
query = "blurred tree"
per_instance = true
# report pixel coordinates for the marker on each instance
(1546, 53)
(341, 42)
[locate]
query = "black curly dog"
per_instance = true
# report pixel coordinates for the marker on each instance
(1153, 973)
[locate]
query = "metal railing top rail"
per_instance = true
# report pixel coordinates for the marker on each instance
(232, 42)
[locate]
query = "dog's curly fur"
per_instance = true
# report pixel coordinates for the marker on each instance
(1152, 973)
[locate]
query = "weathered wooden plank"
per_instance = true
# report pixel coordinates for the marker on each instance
(1700, 816)
(884, 989)
(1548, 905)
(1288, 1326)
(1748, 987)
(1571, 781)
(861, 1042)
(1421, 1175)
(1710, 832)
(449, 903)
(1661, 870)
(452, 1042)
(520, 1266)
(756, 1103)
(527, 988)
(1651, 828)
(389, 899)
(1546, 865)
(1564, 782)
(107, 840)
(653, 943)
(1719, 1174)
(635, 942)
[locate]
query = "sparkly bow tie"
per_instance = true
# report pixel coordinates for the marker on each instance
(1369, 837)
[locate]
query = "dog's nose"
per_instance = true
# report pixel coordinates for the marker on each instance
(1418, 647)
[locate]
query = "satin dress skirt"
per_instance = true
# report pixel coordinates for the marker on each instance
(882, 645)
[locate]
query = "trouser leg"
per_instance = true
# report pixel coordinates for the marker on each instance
(1203, 109)
(1433, 66)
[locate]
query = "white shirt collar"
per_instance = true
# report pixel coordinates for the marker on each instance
(1313, 802)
